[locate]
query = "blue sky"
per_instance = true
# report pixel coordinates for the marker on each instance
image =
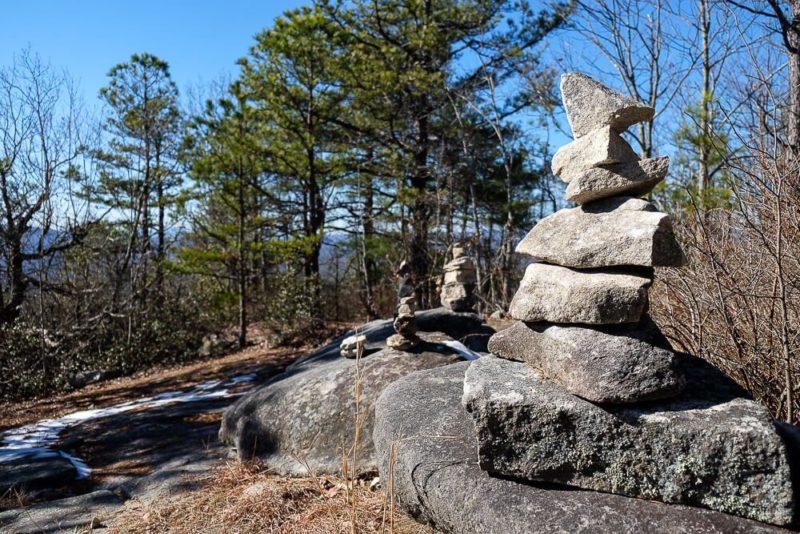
(201, 39)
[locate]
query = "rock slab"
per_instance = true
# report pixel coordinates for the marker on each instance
(600, 147)
(590, 104)
(426, 447)
(618, 364)
(631, 179)
(304, 420)
(610, 232)
(710, 447)
(562, 295)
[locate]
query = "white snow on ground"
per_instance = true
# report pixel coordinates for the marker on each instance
(462, 350)
(37, 439)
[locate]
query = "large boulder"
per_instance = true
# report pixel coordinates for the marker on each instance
(619, 364)
(562, 295)
(610, 232)
(709, 447)
(305, 418)
(426, 446)
(590, 104)
(632, 179)
(600, 147)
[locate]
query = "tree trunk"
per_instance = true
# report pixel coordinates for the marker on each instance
(367, 261)
(242, 259)
(11, 310)
(420, 218)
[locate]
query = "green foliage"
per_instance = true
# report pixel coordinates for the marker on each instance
(699, 175)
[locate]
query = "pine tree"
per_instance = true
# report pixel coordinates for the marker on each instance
(139, 172)
(225, 153)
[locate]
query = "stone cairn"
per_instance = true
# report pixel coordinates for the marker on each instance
(574, 411)
(404, 323)
(459, 282)
(589, 289)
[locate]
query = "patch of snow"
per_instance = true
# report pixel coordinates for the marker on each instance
(36, 440)
(462, 350)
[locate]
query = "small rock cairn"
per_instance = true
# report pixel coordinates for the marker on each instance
(459, 282)
(596, 262)
(405, 324)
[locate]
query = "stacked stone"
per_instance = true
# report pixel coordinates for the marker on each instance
(405, 324)
(350, 346)
(573, 412)
(459, 282)
(588, 294)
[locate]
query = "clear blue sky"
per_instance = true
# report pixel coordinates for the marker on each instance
(201, 39)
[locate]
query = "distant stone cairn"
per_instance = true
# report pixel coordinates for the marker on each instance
(458, 291)
(405, 324)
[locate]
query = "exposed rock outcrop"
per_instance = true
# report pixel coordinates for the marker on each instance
(425, 445)
(305, 417)
(710, 447)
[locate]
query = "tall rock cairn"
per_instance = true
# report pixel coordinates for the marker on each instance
(405, 324)
(581, 310)
(458, 291)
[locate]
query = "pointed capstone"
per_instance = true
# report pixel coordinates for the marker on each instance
(560, 295)
(631, 179)
(618, 364)
(601, 147)
(590, 105)
(610, 232)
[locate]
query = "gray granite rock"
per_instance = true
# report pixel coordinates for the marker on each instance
(610, 232)
(82, 513)
(590, 104)
(709, 447)
(618, 364)
(561, 295)
(46, 471)
(304, 420)
(425, 443)
(599, 147)
(632, 179)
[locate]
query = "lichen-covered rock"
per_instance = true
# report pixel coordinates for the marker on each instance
(426, 448)
(590, 104)
(600, 147)
(610, 232)
(618, 364)
(709, 447)
(632, 179)
(561, 295)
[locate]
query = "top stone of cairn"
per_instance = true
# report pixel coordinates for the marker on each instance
(590, 105)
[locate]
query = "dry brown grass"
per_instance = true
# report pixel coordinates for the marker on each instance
(243, 498)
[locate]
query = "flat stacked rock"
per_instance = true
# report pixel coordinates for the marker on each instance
(582, 309)
(599, 400)
(459, 282)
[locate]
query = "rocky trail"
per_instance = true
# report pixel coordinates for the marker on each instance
(72, 461)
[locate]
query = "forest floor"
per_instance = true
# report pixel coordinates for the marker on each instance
(164, 469)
